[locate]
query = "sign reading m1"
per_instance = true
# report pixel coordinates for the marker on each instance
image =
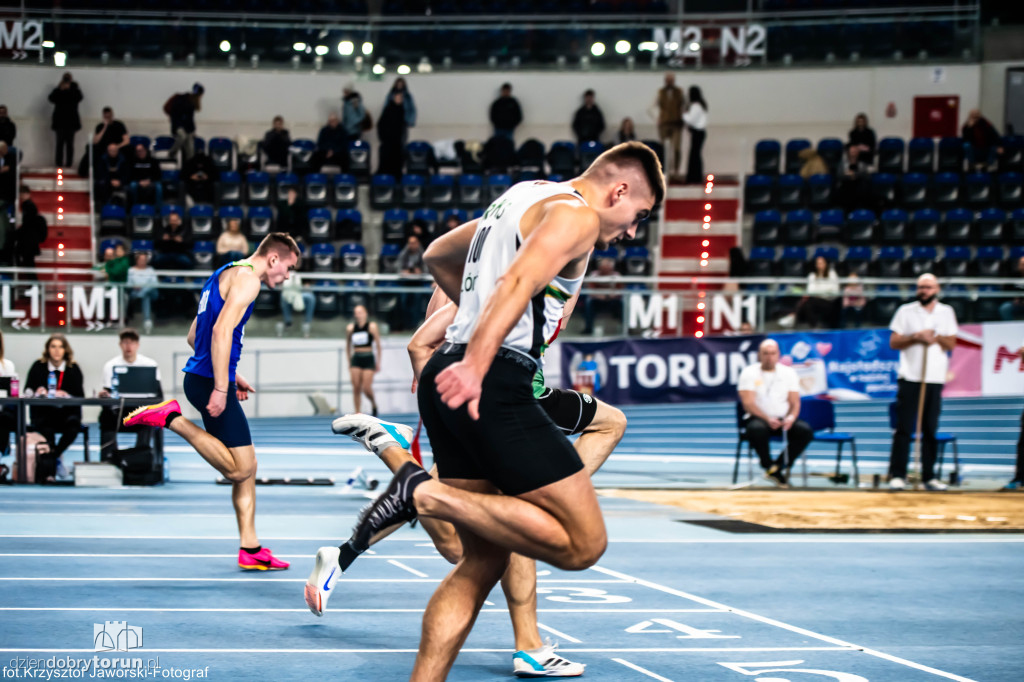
(91, 303)
(748, 40)
(17, 37)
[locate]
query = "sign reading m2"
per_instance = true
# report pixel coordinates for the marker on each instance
(18, 36)
(748, 40)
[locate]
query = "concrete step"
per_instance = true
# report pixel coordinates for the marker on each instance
(51, 183)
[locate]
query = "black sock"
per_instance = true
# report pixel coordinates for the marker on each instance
(171, 417)
(347, 556)
(253, 550)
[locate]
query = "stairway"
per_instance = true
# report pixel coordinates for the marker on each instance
(701, 224)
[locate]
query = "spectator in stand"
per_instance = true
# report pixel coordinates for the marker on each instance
(174, 247)
(295, 297)
(505, 113)
(8, 414)
(818, 307)
(8, 131)
(854, 189)
(65, 122)
(109, 131)
(670, 104)
(8, 174)
(354, 117)
(986, 145)
(199, 173)
(1014, 308)
(143, 281)
(604, 281)
(588, 123)
(862, 140)
(292, 215)
(58, 425)
(331, 144)
(854, 303)
(110, 418)
(276, 142)
(811, 163)
(770, 394)
(181, 108)
(627, 133)
(924, 326)
(410, 262)
(115, 263)
(144, 184)
(408, 105)
(391, 131)
(696, 119)
(450, 224)
(111, 175)
(30, 234)
(232, 244)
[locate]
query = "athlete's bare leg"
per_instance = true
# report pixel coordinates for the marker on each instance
(368, 387)
(520, 587)
(356, 375)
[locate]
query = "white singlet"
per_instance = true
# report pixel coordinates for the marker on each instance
(494, 247)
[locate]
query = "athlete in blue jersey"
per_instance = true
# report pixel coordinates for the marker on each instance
(212, 386)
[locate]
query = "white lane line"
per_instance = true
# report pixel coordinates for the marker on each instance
(254, 579)
(780, 624)
(980, 538)
(645, 671)
(574, 650)
(203, 556)
(419, 574)
(559, 633)
(157, 609)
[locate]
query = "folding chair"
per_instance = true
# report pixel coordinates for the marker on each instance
(820, 415)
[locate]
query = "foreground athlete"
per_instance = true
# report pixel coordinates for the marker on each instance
(213, 387)
(510, 481)
(600, 426)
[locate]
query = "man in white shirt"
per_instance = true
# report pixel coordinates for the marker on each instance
(109, 417)
(924, 332)
(770, 393)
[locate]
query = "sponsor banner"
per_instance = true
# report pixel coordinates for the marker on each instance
(846, 365)
(964, 377)
(1002, 370)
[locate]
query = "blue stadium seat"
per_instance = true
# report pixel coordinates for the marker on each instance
(637, 261)
(922, 259)
(427, 218)
(562, 158)
(588, 152)
(1015, 228)
(978, 190)
(767, 226)
(353, 258)
(766, 157)
(1010, 189)
(924, 226)
(793, 149)
(222, 153)
(202, 254)
(761, 262)
(143, 221)
(328, 299)
(883, 188)
(989, 226)
(261, 222)
(321, 225)
(890, 155)
(457, 213)
(793, 262)
(413, 191)
(141, 246)
(497, 185)
(890, 262)
(946, 189)
(395, 220)
(530, 156)
(470, 191)
(349, 224)
(300, 155)
(860, 227)
(113, 220)
(988, 261)
(346, 190)
(857, 261)
(257, 187)
(161, 147)
(914, 190)
(798, 227)
(758, 192)
(171, 181)
(829, 253)
(382, 192)
(832, 150)
(389, 258)
(951, 155)
(199, 143)
(168, 209)
(921, 155)
(893, 226)
(359, 158)
(284, 182)
(323, 257)
(819, 190)
(201, 223)
(883, 304)
(441, 191)
(135, 140)
(316, 190)
(419, 158)
(229, 188)
(956, 261)
(958, 226)
(831, 224)
(790, 191)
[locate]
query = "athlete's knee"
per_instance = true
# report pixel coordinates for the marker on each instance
(242, 472)
(584, 551)
(615, 422)
(449, 546)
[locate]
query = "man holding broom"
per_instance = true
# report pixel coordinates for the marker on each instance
(924, 332)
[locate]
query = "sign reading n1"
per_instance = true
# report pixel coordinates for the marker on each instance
(659, 313)
(18, 37)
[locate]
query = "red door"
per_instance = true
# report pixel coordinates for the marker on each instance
(937, 116)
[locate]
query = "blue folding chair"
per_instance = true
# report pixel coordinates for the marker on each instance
(820, 415)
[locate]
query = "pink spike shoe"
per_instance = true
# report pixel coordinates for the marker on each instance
(152, 415)
(262, 560)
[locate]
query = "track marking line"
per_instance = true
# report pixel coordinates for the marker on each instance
(981, 538)
(779, 624)
(645, 671)
(574, 650)
(256, 579)
(180, 609)
(399, 564)
(200, 556)
(559, 633)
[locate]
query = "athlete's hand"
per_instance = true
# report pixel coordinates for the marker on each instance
(243, 388)
(460, 385)
(218, 401)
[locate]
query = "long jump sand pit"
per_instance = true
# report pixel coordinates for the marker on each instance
(848, 510)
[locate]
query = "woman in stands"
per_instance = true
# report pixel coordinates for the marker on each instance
(863, 138)
(818, 308)
(627, 133)
(56, 369)
(362, 335)
(232, 244)
(696, 119)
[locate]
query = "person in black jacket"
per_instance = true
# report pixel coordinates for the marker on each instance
(588, 123)
(111, 174)
(30, 234)
(505, 113)
(331, 144)
(8, 131)
(59, 425)
(181, 109)
(863, 138)
(985, 144)
(144, 178)
(391, 131)
(276, 142)
(65, 122)
(8, 174)
(199, 173)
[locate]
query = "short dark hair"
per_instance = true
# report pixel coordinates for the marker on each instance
(24, 189)
(128, 333)
(107, 110)
(588, 93)
(639, 154)
(506, 86)
(280, 242)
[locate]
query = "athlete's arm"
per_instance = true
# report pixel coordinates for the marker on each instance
(242, 291)
(375, 334)
(428, 337)
(191, 338)
(348, 340)
(566, 231)
(446, 257)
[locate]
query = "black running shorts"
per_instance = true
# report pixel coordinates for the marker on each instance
(231, 428)
(363, 361)
(571, 410)
(514, 444)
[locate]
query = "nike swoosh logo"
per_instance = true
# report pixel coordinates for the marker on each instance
(328, 581)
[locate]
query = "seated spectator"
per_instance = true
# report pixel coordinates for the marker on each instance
(232, 244)
(115, 263)
(111, 175)
(770, 393)
(144, 184)
(8, 174)
(55, 370)
(174, 247)
(627, 133)
(418, 228)
(1013, 309)
(818, 307)
(811, 163)
(8, 131)
(862, 140)
(331, 144)
(8, 414)
(354, 117)
(984, 140)
(292, 215)
(606, 299)
(110, 417)
(410, 262)
(588, 123)
(143, 281)
(854, 303)
(199, 173)
(30, 234)
(296, 298)
(450, 224)
(854, 189)
(276, 142)
(109, 131)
